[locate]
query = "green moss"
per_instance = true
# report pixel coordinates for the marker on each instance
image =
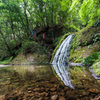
(20, 58)
(78, 36)
(77, 55)
(43, 58)
(77, 74)
(81, 52)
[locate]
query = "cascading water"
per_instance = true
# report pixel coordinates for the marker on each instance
(61, 62)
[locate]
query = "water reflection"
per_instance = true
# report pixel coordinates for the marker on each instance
(64, 73)
(28, 72)
(38, 82)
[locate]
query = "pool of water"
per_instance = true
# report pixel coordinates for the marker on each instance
(39, 82)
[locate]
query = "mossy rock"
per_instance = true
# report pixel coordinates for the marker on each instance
(89, 37)
(78, 37)
(30, 58)
(41, 58)
(80, 53)
(96, 68)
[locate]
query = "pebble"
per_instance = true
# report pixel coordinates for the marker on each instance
(54, 97)
(61, 98)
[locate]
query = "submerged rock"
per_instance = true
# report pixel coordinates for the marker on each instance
(97, 97)
(2, 97)
(52, 89)
(62, 98)
(54, 97)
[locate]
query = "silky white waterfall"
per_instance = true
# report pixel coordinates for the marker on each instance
(61, 62)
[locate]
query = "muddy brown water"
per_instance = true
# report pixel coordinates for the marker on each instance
(39, 82)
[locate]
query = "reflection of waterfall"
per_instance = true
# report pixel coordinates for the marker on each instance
(60, 61)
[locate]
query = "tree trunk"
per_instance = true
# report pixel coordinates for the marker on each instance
(26, 17)
(12, 27)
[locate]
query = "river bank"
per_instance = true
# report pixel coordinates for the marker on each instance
(4, 65)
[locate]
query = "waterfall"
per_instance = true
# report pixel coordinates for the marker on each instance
(61, 62)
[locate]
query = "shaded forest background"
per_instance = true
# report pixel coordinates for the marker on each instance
(23, 22)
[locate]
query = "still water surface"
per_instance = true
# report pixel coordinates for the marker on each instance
(39, 82)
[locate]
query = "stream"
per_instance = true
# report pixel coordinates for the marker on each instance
(40, 82)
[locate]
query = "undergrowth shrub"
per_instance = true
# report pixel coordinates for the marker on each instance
(33, 47)
(96, 37)
(56, 41)
(6, 60)
(92, 58)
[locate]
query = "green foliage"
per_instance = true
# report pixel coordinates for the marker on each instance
(33, 47)
(92, 58)
(56, 40)
(90, 11)
(78, 37)
(96, 37)
(64, 3)
(6, 61)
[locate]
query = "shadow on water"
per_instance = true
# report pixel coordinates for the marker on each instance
(38, 82)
